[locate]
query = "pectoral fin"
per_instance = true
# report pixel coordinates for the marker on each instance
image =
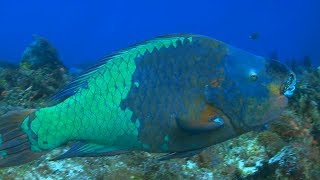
(200, 126)
(84, 149)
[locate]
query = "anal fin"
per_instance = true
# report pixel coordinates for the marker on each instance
(84, 149)
(182, 154)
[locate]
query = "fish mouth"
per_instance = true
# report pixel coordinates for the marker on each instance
(280, 72)
(290, 85)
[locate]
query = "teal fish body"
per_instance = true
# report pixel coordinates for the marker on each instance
(177, 93)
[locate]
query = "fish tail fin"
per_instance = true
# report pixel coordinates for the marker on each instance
(15, 147)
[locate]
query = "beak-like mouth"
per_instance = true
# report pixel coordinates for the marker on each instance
(290, 85)
(280, 71)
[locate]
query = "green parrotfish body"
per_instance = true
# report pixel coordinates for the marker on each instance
(174, 94)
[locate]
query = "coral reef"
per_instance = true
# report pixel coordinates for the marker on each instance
(288, 149)
(286, 160)
(39, 54)
(40, 74)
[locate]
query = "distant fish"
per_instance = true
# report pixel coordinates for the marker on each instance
(254, 36)
(175, 94)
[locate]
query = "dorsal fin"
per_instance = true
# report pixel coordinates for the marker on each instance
(79, 82)
(139, 49)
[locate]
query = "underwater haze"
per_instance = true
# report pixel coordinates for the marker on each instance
(200, 89)
(84, 31)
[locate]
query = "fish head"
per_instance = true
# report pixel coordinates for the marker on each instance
(252, 90)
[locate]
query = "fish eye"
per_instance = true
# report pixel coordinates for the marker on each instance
(253, 76)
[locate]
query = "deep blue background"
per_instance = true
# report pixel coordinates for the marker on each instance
(84, 31)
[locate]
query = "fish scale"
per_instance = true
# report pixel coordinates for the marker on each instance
(102, 114)
(175, 94)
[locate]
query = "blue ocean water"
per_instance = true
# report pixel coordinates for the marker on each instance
(84, 31)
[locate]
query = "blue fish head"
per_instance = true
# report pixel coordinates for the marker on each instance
(252, 90)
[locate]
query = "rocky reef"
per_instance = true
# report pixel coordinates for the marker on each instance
(30, 84)
(288, 149)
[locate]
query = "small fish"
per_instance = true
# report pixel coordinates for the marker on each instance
(174, 94)
(254, 35)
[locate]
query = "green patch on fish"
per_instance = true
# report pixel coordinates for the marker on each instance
(174, 94)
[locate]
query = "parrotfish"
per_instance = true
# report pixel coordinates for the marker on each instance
(174, 94)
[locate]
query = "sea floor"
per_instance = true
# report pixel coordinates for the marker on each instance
(288, 149)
